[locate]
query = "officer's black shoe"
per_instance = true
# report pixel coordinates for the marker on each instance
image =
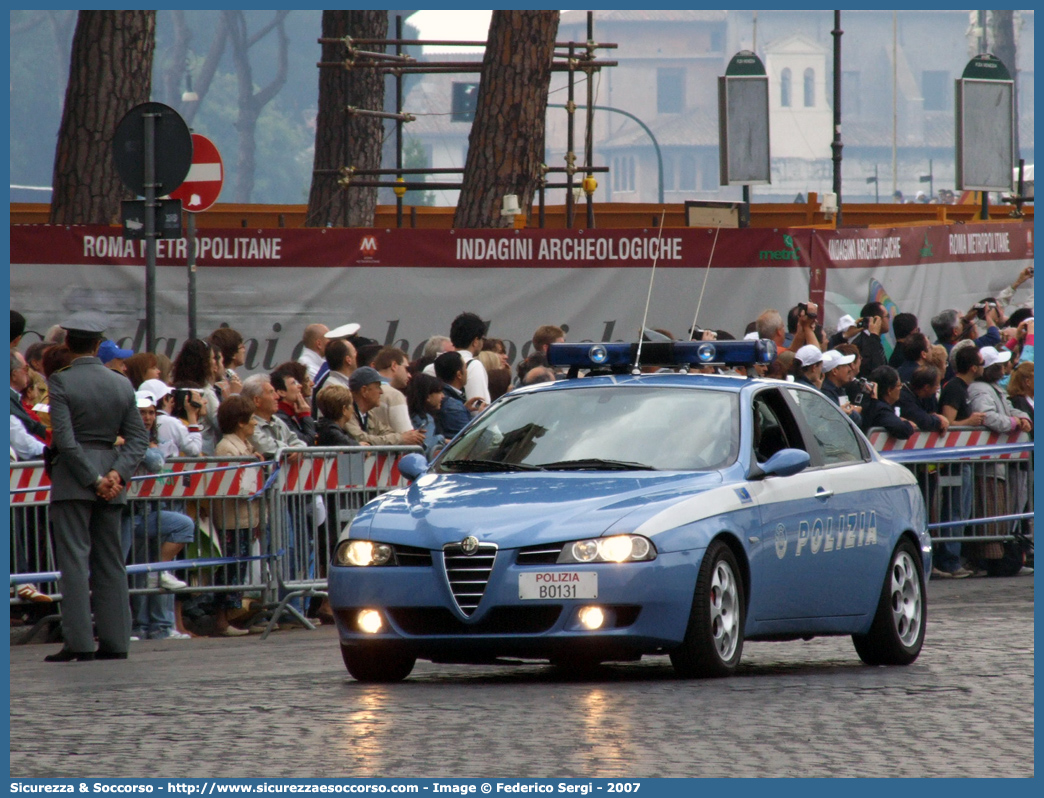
(65, 655)
(102, 654)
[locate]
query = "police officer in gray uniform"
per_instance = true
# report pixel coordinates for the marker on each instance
(90, 406)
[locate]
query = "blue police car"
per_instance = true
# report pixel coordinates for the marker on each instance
(603, 518)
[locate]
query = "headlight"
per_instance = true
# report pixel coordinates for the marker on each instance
(363, 552)
(618, 548)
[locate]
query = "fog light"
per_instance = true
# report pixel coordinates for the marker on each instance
(592, 617)
(369, 621)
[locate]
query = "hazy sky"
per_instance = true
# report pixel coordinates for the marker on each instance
(461, 25)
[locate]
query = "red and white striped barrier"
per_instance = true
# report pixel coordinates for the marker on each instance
(883, 442)
(231, 483)
(30, 476)
(322, 473)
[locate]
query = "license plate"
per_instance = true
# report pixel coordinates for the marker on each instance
(558, 585)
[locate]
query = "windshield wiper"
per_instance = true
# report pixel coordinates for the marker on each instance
(596, 464)
(486, 465)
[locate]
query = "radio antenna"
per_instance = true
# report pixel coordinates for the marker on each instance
(652, 276)
(706, 274)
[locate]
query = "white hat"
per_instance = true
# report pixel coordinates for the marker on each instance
(991, 357)
(144, 399)
(832, 359)
(158, 389)
(844, 323)
(809, 355)
(751, 336)
(343, 331)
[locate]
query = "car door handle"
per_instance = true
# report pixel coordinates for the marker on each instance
(823, 493)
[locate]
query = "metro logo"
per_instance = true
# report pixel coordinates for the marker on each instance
(368, 245)
(790, 253)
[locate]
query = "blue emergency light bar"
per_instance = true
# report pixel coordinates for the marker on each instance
(673, 353)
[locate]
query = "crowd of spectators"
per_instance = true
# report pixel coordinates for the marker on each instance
(346, 389)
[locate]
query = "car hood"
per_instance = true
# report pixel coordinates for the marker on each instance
(514, 510)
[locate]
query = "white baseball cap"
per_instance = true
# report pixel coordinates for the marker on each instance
(158, 389)
(991, 356)
(144, 399)
(343, 331)
(809, 355)
(832, 359)
(845, 322)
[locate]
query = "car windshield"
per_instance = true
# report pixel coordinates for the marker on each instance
(605, 428)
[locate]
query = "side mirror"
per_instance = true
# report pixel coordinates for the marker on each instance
(413, 465)
(785, 463)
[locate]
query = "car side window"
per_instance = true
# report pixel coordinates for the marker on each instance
(836, 438)
(774, 427)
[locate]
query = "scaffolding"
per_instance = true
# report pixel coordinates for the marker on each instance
(568, 57)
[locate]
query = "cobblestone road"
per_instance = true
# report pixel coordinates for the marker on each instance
(287, 708)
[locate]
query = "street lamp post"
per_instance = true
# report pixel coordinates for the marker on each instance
(645, 127)
(929, 179)
(836, 145)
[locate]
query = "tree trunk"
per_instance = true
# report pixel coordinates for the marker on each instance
(252, 103)
(506, 145)
(173, 73)
(342, 140)
(110, 72)
(1001, 38)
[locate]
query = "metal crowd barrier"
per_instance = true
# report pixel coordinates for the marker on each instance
(270, 532)
(196, 496)
(317, 493)
(977, 484)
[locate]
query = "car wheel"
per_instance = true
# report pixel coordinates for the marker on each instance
(376, 663)
(897, 633)
(714, 637)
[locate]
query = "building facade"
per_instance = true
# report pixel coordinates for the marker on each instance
(898, 71)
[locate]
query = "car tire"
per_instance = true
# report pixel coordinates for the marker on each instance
(897, 633)
(713, 641)
(377, 663)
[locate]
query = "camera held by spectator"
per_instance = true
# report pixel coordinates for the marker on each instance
(981, 307)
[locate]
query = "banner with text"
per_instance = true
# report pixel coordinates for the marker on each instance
(405, 285)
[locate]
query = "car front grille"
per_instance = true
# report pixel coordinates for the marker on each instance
(423, 621)
(411, 555)
(545, 554)
(469, 573)
(513, 620)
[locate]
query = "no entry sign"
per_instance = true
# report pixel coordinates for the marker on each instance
(203, 184)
